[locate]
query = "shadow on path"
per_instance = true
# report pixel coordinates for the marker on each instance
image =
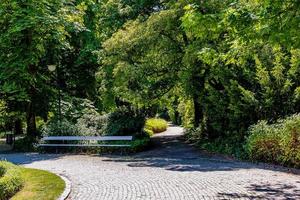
(28, 158)
(169, 151)
(169, 162)
(267, 191)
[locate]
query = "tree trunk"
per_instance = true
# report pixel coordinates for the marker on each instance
(198, 113)
(176, 117)
(18, 130)
(30, 118)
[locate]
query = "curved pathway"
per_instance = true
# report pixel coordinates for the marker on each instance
(172, 170)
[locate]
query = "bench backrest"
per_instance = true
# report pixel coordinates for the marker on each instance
(96, 138)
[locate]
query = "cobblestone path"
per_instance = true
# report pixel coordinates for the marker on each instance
(172, 170)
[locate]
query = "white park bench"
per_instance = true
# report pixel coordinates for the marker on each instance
(91, 141)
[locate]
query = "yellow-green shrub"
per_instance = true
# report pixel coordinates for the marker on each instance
(149, 132)
(11, 180)
(276, 143)
(156, 125)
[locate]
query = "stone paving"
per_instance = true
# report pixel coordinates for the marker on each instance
(172, 170)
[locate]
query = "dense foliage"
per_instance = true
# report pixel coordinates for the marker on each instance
(226, 65)
(11, 180)
(34, 34)
(215, 67)
(125, 121)
(80, 117)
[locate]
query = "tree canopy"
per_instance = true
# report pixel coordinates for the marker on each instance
(219, 66)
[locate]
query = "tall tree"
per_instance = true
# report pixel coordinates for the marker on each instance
(251, 61)
(28, 29)
(113, 16)
(151, 57)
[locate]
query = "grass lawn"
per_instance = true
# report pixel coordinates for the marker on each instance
(40, 185)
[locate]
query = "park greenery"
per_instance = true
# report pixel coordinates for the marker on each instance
(40, 184)
(11, 180)
(277, 142)
(228, 71)
(18, 183)
(156, 125)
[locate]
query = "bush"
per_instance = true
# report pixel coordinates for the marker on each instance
(156, 125)
(194, 134)
(56, 127)
(137, 145)
(11, 180)
(80, 117)
(230, 145)
(125, 121)
(74, 108)
(277, 143)
(92, 123)
(25, 144)
(148, 132)
(140, 144)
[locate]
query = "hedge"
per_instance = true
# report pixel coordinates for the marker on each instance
(11, 180)
(277, 143)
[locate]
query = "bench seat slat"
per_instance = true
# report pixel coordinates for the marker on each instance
(84, 145)
(86, 138)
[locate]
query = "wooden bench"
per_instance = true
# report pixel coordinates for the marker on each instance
(63, 139)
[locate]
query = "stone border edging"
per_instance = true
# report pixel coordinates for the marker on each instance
(67, 190)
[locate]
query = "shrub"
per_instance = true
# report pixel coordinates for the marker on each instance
(263, 143)
(40, 123)
(63, 127)
(140, 144)
(137, 145)
(125, 121)
(92, 123)
(194, 134)
(80, 117)
(148, 132)
(156, 125)
(11, 180)
(74, 108)
(25, 144)
(276, 143)
(230, 145)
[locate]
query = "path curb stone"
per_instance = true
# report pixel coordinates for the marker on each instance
(67, 190)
